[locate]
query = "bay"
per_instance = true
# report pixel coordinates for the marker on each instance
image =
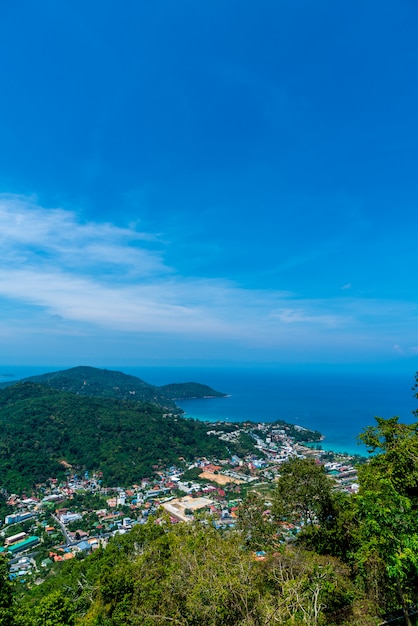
(338, 404)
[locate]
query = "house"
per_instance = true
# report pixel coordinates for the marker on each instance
(20, 546)
(66, 518)
(83, 546)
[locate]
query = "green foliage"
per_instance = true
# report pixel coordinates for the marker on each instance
(387, 511)
(185, 391)
(184, 575)
(258, 531)
(388, 543)
(55, 609)
(85, 501)
(6, 595)
(415, 390)
(192, 474)
(395, 448)
(303, 493)
(5, 509)
(245, 444)
(337, 534)
(297, 433)
(192, 575)
(85, 524)
(308, 589)
(102, 383)
(124, 439)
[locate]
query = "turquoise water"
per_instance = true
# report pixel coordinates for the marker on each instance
(337, 404)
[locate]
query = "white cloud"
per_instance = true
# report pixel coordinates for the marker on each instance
(59, 274)
(33, 236)
(299, 316)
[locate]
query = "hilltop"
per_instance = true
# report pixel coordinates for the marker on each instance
(103, 383)
(188, 391)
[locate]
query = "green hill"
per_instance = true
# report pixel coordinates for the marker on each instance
(41, 426)
(184, 391)
(103, 383)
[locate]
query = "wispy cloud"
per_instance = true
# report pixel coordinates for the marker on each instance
(61, 274)
(299, 316)
(32, 236)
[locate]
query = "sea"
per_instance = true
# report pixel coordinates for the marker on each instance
(340, 404)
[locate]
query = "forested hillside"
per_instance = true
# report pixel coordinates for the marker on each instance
(41, 427)
(184, 391)
(103, 383)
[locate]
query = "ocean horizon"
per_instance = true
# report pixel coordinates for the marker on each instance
(338, 404)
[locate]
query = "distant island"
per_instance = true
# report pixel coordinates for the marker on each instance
(103, 383)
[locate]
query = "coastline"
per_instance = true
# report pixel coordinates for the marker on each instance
(337, 404)
(341, 448)
(326, 443)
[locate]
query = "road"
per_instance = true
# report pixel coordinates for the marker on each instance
(68, 539)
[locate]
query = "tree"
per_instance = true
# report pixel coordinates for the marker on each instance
(6, 595)
(55, 609)
(255, 524)
(388, 534)
(303, 493)
(307, 588)
(337, 535)
(188, 575)
(387, 506)
(395, 455)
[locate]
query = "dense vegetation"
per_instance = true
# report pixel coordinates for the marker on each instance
(102, 383)
(41, 427)
(189, 575)
(184, 391)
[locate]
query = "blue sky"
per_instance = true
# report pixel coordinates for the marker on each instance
(209, 182)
